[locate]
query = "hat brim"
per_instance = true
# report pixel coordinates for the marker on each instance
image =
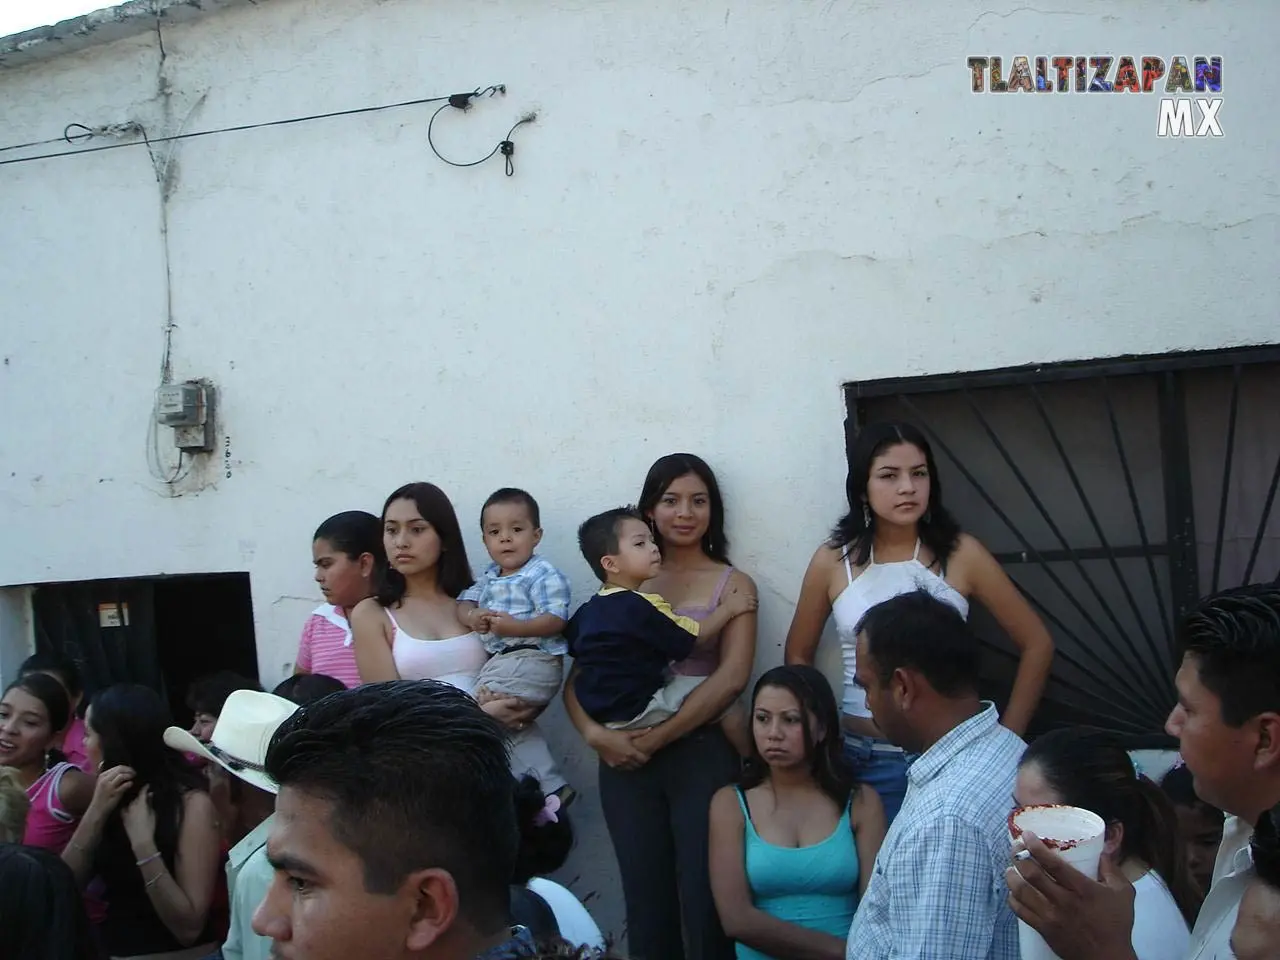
(182, 741)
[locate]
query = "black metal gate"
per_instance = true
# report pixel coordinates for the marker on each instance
(1116, 493)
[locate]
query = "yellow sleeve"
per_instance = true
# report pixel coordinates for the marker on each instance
(664, 608)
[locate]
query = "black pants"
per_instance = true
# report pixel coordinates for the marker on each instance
(658, 818)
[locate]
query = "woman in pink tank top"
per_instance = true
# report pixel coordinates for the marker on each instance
(656, 786)
(33, 713)
(410, 628)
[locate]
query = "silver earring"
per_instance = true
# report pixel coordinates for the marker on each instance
(866, 515)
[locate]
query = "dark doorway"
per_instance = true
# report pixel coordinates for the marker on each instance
(163, 632)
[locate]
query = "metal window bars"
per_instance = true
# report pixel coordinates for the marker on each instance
(1116, 493)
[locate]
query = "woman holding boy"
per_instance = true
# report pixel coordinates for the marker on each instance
(656, 785)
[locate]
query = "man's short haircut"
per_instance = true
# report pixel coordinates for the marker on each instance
(517, 496)
(917, 631)
(1235, 639)
(209, 693)
(418, 777)
(598, 536)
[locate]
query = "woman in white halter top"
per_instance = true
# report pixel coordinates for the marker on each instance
(410, 629)
(898, 537)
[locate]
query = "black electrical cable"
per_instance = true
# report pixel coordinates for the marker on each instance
(505, 146)
(67, 137)
(89, 134)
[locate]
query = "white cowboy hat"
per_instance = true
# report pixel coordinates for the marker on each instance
(241, 736)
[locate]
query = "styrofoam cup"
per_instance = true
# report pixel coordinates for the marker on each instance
(1075, 835)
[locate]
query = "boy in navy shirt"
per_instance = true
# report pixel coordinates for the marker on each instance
(623, 641)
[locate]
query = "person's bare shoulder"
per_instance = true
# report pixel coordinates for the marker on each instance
(368, 615)
(741, 581)
(866, 804)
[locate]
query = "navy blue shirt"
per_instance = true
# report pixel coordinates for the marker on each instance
(622, 642)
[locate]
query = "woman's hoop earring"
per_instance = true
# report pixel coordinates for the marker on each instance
(866, 515)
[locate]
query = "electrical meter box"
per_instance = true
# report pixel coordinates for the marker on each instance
(180, 405)
(187, 408)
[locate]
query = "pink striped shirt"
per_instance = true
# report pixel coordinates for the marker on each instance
(326, 647)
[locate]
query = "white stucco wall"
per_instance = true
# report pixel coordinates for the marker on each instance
(723, 212)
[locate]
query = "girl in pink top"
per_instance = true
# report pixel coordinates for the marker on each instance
(66, 672)
(33, 712)
(346, 550)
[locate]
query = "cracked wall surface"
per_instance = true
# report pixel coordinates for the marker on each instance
(723, 213)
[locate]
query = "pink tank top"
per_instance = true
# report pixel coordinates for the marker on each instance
(48, 824)
(703, 663)
(455, 660)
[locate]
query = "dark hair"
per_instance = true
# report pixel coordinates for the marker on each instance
(60, 665)
(353, 532)
(453, 571)
(49, 692)
(917, 631)
(544, 847)
(852, 535)
(1092, 770)
(517, 496)
(827, 762)
(1235, 639)
(418, 776)
(666, 471)
(598, 536)
(208, 694)
(1179, 786)
(1265, 847)
(306, 688)
(42, 912)
(129, 720)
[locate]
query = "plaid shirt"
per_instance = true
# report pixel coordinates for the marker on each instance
(938, 889)
(534, 589)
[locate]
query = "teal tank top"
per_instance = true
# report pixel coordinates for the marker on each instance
(814, 886)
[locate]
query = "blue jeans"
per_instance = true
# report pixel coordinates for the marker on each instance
(880, 767)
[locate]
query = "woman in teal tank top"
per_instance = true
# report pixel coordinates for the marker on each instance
(793, 846)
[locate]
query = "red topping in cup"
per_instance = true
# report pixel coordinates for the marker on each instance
(1016, 833)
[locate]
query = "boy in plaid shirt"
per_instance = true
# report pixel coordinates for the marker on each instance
(519, 606)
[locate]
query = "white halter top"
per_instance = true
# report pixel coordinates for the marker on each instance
(877, 583)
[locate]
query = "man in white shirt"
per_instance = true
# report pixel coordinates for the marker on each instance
(1227, 721)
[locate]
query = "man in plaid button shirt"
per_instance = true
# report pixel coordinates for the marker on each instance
(938, 890)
